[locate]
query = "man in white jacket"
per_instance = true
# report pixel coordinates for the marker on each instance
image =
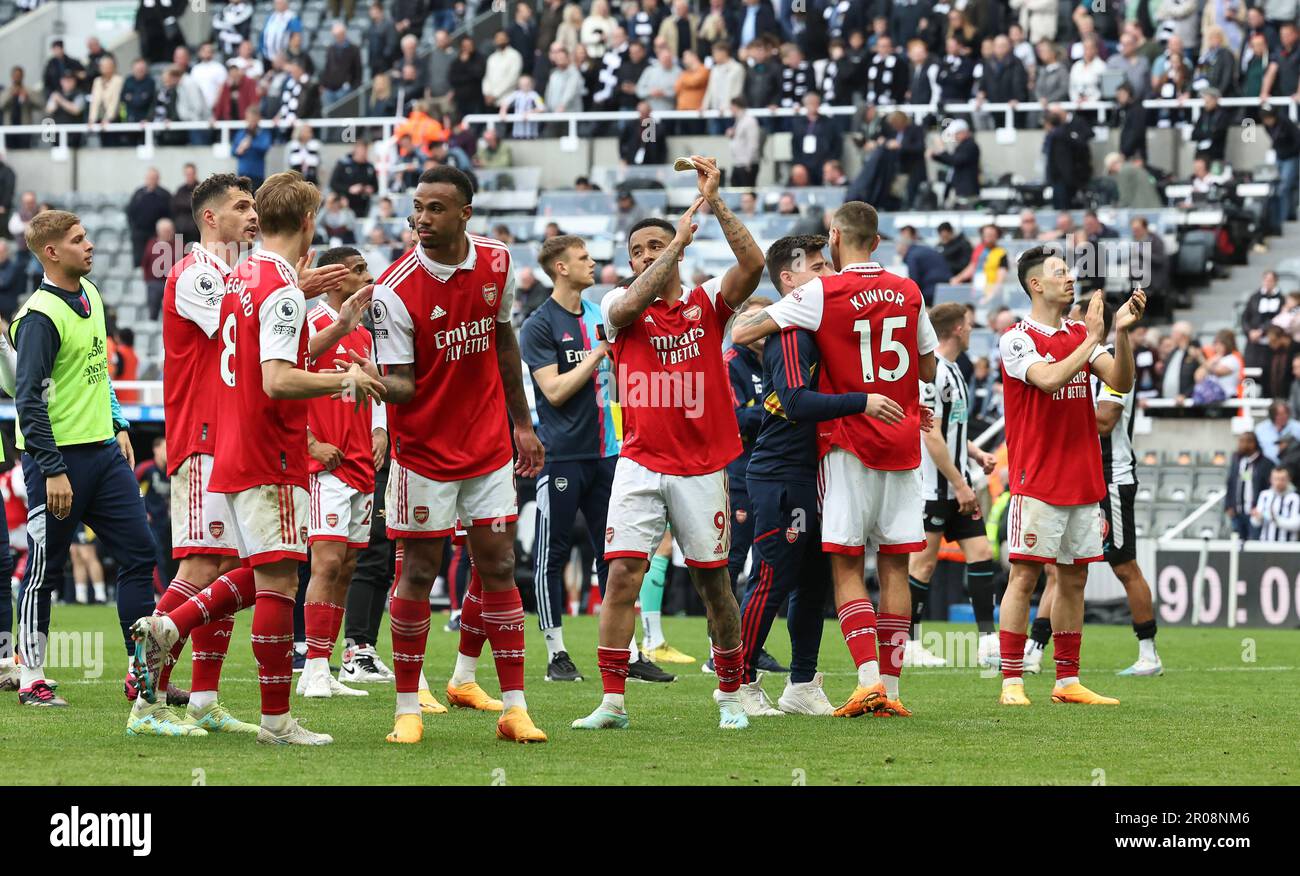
(504, 67)
(726, 81)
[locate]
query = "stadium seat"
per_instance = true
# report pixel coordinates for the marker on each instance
(1166, 517)
(1175, 485)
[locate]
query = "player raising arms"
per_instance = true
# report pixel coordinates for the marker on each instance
(1054, 461)
(951, 510)
(875, 337)
(672, 469)
(262, 471)
(442, 326)
(203, 536)
(346, 444)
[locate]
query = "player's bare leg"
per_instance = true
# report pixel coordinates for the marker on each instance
(277, 585)
(714, 587)
(617, 625)
(1015, 615)
(1040, 633)
(409, 622)
(1067, 636)
(893, 623)
(1144, 619)
(858, 623)
(492, 547)
(332, 565)
(920, 571)
(201, 591)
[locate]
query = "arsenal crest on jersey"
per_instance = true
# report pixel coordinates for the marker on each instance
(693, 313)
(1030, 539)
(216, 527)
(792, 535)
(490, 294)
(421, 514)
(331, 520)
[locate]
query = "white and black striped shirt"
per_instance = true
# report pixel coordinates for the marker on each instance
(1279, 515)
(1117, 457)
(949, 400)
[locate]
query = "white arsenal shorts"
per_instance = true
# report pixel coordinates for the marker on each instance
(200, 522)
(418, 507)
(863, 506)
(642, 501)
(270, 523)
(1063, 534)
(338, 512)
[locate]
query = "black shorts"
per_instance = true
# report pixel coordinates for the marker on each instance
(1119, 530)
(941, 515)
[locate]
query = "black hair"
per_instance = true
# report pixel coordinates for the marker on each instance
(336, 255)
(652, 222)
(445, 173)
(1029, 260)
(126, 336)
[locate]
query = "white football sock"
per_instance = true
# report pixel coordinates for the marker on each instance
(654, 635)
(1007, 682)
(277, 724)
(101, 592)
(424, 682)
(613, 702)
(1147, 650)
(200, 700)
(82, 592)
(408, 703)
(891, 686)
(466, 669)
(316, 666)
(869, 674)
(31, 675)
(554, 637)
(633, 653)
(1066, 682)
(512, 698)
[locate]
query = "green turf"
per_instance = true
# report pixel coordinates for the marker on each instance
(1215, 717)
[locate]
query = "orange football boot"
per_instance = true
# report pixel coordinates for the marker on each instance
(470, 696)
(514, 725)
(864, 701)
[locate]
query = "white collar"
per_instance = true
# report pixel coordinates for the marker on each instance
(276, 257)
(444, 272)
(202, 252)
(1045, 329)
(863, 266)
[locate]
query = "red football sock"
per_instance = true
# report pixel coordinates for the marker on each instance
(273, 648)
(612, 663)
(729, 665)
(232, 592)
(208, 646)
(1013, 653)
(322, 620)
(177, 593)
(409, 622)
(1065, 648)
(503, 620)
(892, 637)
(472, 632)
(858, 623)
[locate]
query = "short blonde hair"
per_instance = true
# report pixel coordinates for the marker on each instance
(49, 226)
(283, 200)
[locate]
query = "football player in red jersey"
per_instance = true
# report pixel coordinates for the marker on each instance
(262, 470)
(455, 379)
(347, 445)
(679, 434)
(875, 337)
(1054, 461)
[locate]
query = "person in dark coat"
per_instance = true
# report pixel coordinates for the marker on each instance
(1058, 149)
(908, 140)
(1286, 148)
(955, 249)
(1002, 78)
(1210, 133)
(466, 76)
(926, 266)
(1132, 121)
(1248, 474)
(814, 138)
(956, 77)
(148, 204)
(962, 160)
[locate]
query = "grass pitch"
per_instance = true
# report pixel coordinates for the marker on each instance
(1221, 714)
